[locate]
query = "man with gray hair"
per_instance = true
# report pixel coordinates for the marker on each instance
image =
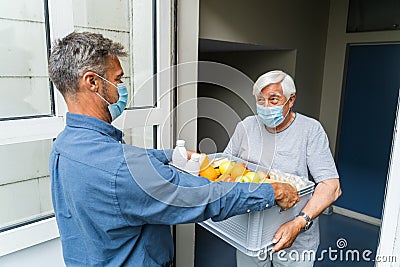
(114, 202)
(279, 138)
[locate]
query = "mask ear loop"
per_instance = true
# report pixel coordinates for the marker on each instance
(104, 79)
(288, 109)
(130, 101)
(102, 98)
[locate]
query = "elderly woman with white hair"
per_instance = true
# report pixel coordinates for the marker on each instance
(279, 138)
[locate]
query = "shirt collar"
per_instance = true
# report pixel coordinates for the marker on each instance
(92, 123)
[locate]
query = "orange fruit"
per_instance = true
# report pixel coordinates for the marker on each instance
(204, 161)
(209, 173)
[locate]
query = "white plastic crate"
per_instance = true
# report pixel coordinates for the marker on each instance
(252, 233)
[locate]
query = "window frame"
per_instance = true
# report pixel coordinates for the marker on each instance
(60, 21)
(389, 232)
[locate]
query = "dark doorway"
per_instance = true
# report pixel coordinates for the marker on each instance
(367, 121)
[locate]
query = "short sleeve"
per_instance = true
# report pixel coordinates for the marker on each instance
(235, 143)
(319, 157)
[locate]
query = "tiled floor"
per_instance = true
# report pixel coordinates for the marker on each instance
(341, 238)
(349, 238)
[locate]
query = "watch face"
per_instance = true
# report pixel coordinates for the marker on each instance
(308, 225)
(309, 222)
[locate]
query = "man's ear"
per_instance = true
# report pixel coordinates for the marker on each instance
(90, 81)
(292, 99)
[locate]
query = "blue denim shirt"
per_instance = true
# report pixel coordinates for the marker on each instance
(114, 203)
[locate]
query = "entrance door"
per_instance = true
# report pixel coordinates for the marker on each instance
(367, 122)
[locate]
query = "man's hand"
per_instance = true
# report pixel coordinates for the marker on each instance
(325, 193)
(287, 233)
(285, 195)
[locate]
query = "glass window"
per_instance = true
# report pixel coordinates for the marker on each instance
(24, 82)
(143, 51)
(24, 93)
(145, 136)
(130, 23)
(24, 182)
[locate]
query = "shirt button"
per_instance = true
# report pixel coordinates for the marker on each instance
(248, 210)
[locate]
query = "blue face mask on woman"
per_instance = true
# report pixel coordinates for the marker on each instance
(116, 109)
(271, 116)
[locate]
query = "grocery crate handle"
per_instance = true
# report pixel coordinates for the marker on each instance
(305, 191)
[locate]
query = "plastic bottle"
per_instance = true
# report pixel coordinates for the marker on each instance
(193, 165)
(179, 156)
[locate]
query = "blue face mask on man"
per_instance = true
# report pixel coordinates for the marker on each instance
(271, 116)
(116, 109)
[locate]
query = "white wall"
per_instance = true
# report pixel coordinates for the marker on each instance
(297, 25)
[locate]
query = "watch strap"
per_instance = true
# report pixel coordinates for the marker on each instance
(307, 219)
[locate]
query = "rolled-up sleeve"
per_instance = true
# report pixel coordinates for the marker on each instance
(319, 157)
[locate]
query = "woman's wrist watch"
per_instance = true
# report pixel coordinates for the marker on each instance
(309, 222)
